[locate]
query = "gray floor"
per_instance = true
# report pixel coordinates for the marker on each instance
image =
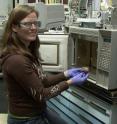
(3, 118)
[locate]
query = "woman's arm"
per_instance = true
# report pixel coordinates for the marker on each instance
(52, 79)
(20, 68)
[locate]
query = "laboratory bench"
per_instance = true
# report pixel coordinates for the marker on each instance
(86, 104)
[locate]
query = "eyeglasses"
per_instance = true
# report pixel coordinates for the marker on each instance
(29, 24)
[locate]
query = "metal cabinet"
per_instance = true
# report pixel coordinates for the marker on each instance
(3, 98)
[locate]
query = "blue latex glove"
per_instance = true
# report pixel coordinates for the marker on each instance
(79, 79)
(72, 72)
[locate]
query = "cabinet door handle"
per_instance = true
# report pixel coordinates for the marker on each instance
(99, 108)
(84, 119)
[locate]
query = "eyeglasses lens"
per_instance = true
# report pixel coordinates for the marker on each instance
(29, 24)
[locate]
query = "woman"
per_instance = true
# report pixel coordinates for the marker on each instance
(28, 86)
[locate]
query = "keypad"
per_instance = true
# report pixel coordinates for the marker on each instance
(105, 56)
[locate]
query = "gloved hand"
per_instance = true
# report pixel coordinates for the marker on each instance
(72, 72)
(79, 79)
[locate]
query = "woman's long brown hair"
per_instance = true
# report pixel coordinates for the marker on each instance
(10, 42)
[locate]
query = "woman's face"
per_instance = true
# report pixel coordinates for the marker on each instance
(27, 29)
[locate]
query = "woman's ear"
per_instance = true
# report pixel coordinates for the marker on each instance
(15, 28)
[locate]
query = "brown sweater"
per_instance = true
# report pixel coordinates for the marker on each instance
(28, 86)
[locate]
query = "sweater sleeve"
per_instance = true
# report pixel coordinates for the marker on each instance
(20, 68)
(52, 79)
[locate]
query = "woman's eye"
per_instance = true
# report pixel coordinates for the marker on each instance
(28, 23)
